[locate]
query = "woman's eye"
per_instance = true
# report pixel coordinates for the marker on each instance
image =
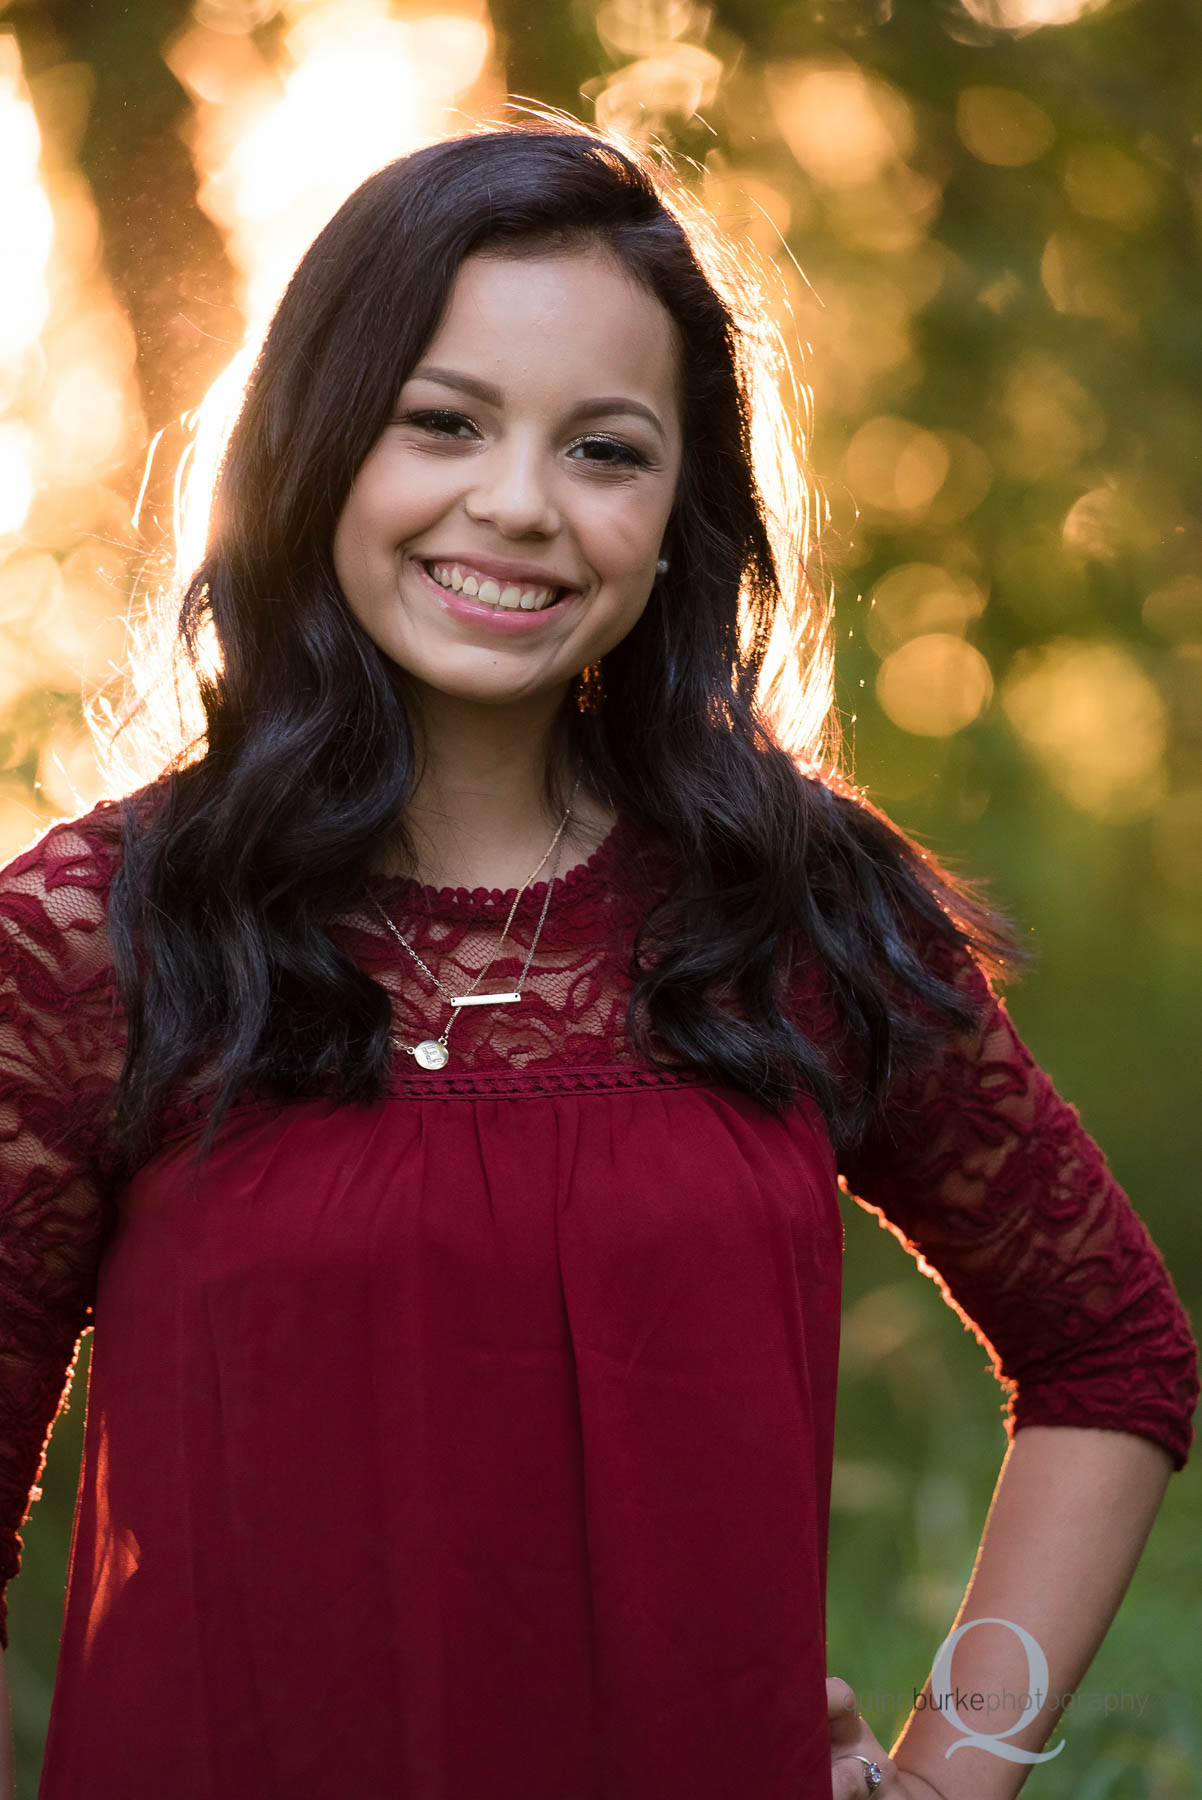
(613, 453)
(438, 422)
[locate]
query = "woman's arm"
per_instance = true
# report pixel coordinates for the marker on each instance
(59, 1053)
(1070, 1515)
(1069, 1518)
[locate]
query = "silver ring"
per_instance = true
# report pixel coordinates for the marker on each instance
(872, 1771)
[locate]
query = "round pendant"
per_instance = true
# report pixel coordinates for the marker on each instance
(431, 1054)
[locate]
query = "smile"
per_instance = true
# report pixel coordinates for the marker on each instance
(535, 610)
(461, 578)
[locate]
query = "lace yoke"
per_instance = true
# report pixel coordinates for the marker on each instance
(569, 1028)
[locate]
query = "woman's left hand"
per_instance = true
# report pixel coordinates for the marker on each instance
(851, 1738)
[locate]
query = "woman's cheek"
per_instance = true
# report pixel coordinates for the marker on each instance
(627, 534)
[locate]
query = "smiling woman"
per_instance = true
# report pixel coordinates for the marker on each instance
(424, 548)
(461, 1412)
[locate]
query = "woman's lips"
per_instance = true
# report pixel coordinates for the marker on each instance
(481, 613)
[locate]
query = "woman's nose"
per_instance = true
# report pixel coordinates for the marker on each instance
(513, 491)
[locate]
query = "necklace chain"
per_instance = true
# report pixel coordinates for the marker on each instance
(432, 1052)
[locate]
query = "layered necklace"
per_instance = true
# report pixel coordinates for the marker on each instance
(432, 1053)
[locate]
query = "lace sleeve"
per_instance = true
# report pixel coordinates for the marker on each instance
(991, 1181)
(59, 1050)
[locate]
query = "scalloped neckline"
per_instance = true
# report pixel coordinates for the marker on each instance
(409, 889)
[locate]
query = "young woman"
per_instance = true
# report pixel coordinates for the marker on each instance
(434, 1089)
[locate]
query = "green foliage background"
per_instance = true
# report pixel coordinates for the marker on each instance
(1105, 334)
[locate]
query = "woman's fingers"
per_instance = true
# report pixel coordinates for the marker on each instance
(845, 1721)
(851, 1740)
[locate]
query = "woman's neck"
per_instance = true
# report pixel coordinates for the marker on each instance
(479, 817)
(483, 844)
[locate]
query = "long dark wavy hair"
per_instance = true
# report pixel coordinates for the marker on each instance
(233, 862)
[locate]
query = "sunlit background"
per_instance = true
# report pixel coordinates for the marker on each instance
(982, 219)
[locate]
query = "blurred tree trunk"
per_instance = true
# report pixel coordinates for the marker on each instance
(164, 257)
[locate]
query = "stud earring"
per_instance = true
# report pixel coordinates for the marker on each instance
(662, 565)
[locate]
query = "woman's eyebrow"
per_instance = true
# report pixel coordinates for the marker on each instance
(491, 396)
(616, 403)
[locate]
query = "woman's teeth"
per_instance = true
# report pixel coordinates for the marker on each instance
(450, 575)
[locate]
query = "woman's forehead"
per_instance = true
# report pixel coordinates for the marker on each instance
(550, 315)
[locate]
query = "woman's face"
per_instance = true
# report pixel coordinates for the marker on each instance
(532, 454)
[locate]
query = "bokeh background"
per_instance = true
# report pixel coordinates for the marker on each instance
(985, 218)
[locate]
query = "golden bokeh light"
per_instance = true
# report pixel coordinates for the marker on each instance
(636, 28)
(1104, 182)
(969, 478)
(893, 466)
(919, 598)
(1094, 721)
(678, 82)
(16, 475)
(1029, 15)
(26, 219)
(844, 127)
(1079, 278)
(1105, 523)
(861, 330)
(84, 421)
(280, 144)
(934, 685)
(66, 766)
(29, 580)
(890, 214)
(1050, 420)
(667, 79)
(69, 418)
(1003, 127)
(27, 232)
(235, 15)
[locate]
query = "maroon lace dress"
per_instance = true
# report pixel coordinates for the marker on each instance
(479, 1441)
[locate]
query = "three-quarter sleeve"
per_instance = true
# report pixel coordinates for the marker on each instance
(989, 1178)
(58, 1051)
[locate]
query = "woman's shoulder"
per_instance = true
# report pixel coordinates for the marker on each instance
(79, 854)
(54, 891)
(75, 849)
